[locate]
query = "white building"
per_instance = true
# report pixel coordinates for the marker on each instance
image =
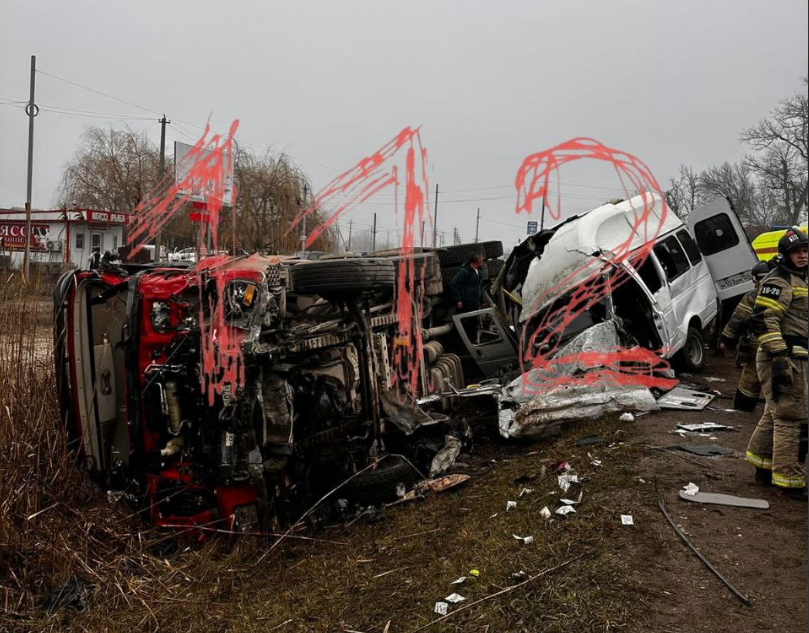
(59, 236)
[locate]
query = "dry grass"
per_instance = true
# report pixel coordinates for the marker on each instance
(56, 526)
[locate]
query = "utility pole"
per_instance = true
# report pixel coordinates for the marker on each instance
(477, 227)
(161, 175)
(31, 110)
(373, 239)
(435, 215)
(456, 239)
(542, 216)
(350, 223)
(422, 234)
(303, 225)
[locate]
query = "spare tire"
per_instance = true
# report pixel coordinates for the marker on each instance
(333, 276)
(460, 254)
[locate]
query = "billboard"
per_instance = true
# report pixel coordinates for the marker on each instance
(185, 160)
(12, 236)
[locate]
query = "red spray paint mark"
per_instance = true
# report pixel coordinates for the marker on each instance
(592, 280)
(207, 167)
(368, 177)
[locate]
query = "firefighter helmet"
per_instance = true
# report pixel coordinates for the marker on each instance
(792, 239)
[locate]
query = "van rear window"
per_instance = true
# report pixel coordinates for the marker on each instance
(715, 234)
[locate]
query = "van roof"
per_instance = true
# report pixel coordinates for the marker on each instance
(570, 256)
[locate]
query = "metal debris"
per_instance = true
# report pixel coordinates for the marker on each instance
(725, 500)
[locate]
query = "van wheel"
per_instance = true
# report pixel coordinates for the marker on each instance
(692, 356)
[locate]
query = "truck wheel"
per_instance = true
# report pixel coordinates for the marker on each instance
(378, 485)
(460, 254)
(342, 276)
(692, 356)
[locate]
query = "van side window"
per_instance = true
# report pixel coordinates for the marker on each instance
(648, 273)
(690, 246)
(671, 257)
(715, 234)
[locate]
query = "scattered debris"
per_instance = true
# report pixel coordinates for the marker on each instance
(441, 608)
(685, 399)
(446, 456)
(627, 417)
(526, 491)
(510, 505)
(737, 593)
(454, 598)
(423, 488)
(626, 519)
(725, 500)
(459, 581)
(563, 510)
(591, 440)
(560, 467)
(714, 379)
(593, 460)
(691, 489)
(525, 540)
(474, 572)
(543, 414)
(519, 575)
(707, 450)
(566, 479)
(545, 513)
(705, 426)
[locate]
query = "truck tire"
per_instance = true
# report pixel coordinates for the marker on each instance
(342, 276)
(460, 254)
(425, 266)
(379, 485)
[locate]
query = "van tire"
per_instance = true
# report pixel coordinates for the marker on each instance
(692, 356)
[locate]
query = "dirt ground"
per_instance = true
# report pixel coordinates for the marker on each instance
(584, 572)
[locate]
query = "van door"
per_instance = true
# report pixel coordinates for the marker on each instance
(487, 340)
(721, 238)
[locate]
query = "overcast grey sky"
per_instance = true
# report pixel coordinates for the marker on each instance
(329, 82)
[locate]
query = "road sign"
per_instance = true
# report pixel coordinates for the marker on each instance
(532, 228)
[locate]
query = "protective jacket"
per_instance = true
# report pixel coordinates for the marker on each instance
(780, 318)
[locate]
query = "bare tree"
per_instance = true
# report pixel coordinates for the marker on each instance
(271, 193)
(113, 169)
(684, 194)
(781, 158)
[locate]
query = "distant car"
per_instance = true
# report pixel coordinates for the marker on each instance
(183, 255)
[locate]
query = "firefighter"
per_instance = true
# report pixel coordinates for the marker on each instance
(737, 331)
(781, 322)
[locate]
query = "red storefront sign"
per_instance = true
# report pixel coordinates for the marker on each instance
(108, 217)
(12, 236)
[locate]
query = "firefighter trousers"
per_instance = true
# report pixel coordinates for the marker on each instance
(776, 439)
(749, 388)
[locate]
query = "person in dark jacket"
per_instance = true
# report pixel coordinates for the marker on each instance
(466, 287)
(95, 259)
